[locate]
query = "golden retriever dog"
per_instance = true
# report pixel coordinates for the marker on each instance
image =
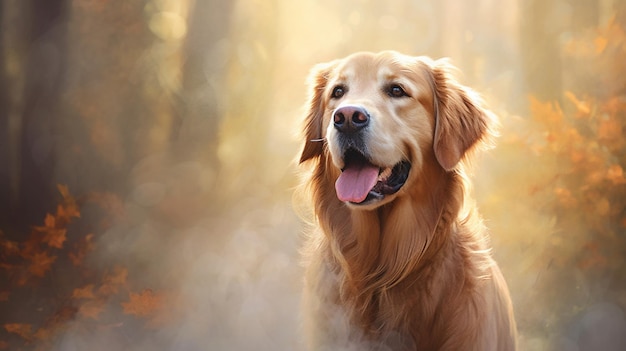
(398, 258)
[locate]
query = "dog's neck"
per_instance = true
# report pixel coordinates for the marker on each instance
(410, 230)
(376, 250)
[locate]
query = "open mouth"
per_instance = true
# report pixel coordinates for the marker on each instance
(362, 182)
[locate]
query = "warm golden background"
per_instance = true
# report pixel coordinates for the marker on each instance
(147, 148)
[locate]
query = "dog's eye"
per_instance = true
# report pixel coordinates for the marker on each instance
(396, 91)
(338, 92)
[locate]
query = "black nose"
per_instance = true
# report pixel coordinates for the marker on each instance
(350, 119)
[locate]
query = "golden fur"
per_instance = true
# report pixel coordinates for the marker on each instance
(412, 271)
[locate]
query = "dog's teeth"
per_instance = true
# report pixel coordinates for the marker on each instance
(384, 174)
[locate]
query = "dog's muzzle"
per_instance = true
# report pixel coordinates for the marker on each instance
(361, 181)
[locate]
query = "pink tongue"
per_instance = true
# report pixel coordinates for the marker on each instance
(356, 181)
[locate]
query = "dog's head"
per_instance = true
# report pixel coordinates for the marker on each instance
(380, 117)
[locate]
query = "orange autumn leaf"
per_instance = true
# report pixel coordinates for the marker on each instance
(62, 315)
(4, 345)
(614, 105)
(610, 129)
(573, 136)
(600, 44)
(582, 106)
(143, 304)
(48, 223)
(67, 211)
(546, 113)
(119, 276)
(31, 247)
(615, 174)
(4, 295)
(22, 329)
(82, 248)
(55, 238)
(85, 292)
(52, 235)
(594, 178)
(68, 208)
(43, 333)
(577, 156)
(565, 197)
(91, 309)
(113, 281)
(9, 248)
(40, 263)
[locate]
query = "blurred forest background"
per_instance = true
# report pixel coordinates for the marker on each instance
(147, 165)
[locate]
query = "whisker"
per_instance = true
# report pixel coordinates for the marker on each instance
(317, 140)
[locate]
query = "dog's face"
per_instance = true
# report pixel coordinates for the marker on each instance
(380, 116)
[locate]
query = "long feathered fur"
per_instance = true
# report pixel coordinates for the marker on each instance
(415, 273)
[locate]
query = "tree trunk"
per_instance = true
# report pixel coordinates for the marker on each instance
(195, 132)
(541, 56)
(6, 196)
(43, 74)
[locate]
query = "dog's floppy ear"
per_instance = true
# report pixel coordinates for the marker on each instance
(460, 121)
(314, 143)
